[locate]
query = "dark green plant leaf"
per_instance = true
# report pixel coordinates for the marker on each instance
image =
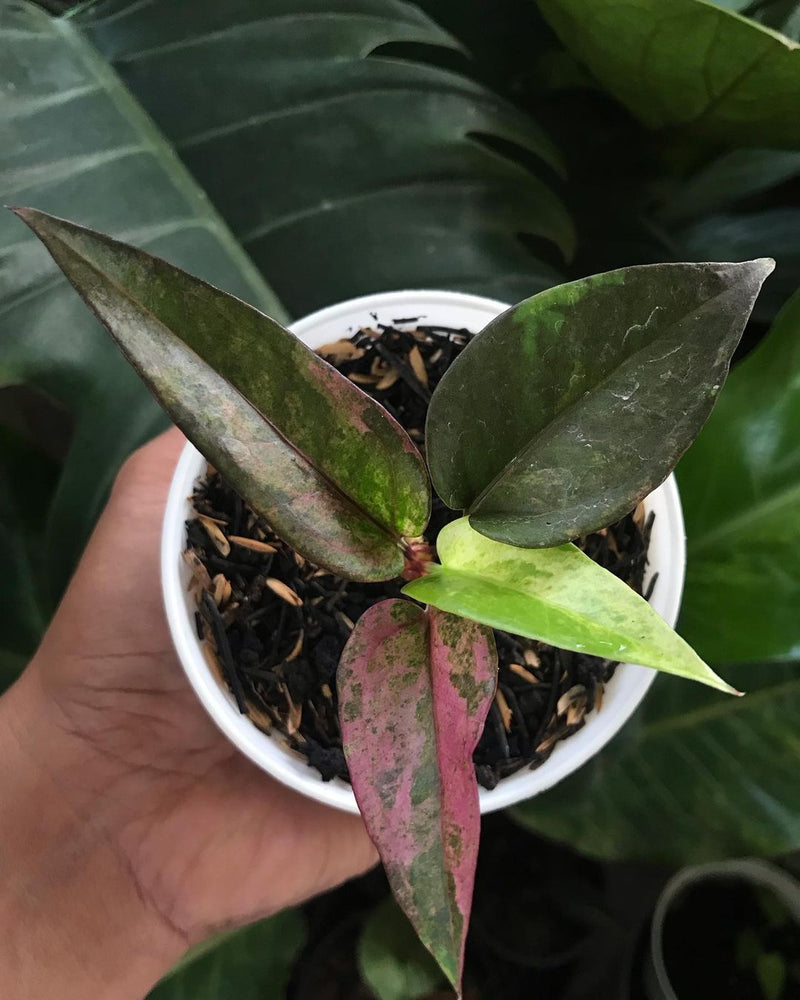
(370, 170)
(391, 958)
(688, 64)
(329, 469)
(744, 235)
(251, 964)
(582, 398)
(692, 777)
(740, 484)
(75, 143)
(558, 595)
(728, 179)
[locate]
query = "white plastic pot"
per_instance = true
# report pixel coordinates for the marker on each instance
(623, 693)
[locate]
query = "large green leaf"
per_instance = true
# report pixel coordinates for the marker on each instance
(557, 595)
(331, 471)
(692, 777)
(740, 485)
(689, 64)
(75, 143)
(583, 397)
(251, 964)
(342, 170)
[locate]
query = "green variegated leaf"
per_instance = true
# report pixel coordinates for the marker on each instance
(557, 595)
(329, 469)
(583, 397)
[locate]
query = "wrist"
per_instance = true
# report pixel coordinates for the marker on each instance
(73, 921)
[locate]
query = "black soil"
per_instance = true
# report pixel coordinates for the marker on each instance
(275, 625)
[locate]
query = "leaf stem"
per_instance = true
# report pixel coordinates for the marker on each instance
(418, 557)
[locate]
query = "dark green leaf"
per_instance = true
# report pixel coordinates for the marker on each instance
(686, 63)
(251, 964)
(692, 777)
(746, 234)
(391, 958)
(342, 170)
(729, 178)
(75, 143)
(582, 398)
(740, 485)
(557, 595)
(328, 468)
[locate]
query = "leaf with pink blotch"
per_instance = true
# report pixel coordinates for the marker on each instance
(415, 688)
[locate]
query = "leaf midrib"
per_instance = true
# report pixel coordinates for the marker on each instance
(574, 616)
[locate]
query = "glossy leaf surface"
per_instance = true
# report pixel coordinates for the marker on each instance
(75, 143)
(253, 963)
(341, 168)
(328, 468)
(415, 688)
(692, 777)
(583, 397)
(557, 595)
(687, 63)
(740, 485)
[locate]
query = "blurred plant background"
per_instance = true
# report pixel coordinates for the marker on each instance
(299, 152)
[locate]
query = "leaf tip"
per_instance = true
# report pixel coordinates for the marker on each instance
(28, 215)
(764, 265)
(724, 686)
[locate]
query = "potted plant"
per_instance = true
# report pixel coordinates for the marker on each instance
(564, 413)
(662, 579)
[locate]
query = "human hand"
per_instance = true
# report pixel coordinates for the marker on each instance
(129, 827)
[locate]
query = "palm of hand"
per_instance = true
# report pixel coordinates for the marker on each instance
(208, 839)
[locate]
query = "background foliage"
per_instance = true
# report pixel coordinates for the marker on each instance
(298, 153)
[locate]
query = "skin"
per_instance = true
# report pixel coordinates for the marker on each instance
(130, 829)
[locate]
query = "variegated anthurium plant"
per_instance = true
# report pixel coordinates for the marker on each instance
(555, 421)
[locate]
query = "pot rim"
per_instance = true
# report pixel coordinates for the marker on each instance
(623, 693)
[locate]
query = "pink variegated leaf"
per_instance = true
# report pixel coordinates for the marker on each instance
(328, 467)
(415, 688)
